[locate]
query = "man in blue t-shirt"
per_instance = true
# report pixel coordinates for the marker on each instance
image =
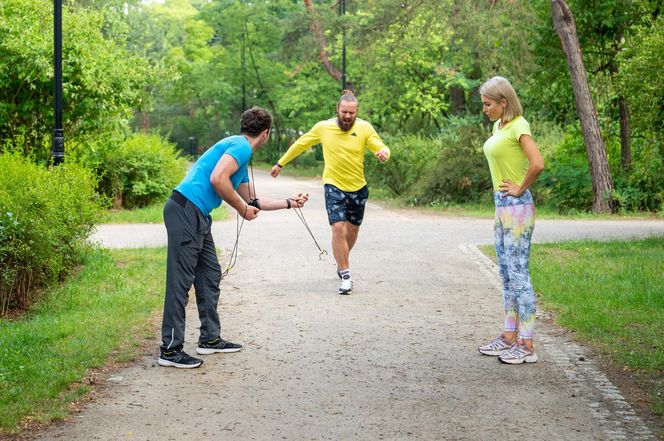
(220, 174)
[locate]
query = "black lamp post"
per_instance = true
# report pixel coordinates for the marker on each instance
(342, 11)
(243, 66)
(58, 150)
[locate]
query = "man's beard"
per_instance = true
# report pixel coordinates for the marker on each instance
(343, 125)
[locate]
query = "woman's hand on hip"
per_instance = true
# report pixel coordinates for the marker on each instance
(509, 188)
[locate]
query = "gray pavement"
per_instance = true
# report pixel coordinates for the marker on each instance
(396, 360)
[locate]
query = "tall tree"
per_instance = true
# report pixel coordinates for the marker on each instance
(563, 23)
(324, 55)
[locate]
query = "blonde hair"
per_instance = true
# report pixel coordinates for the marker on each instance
(498, 88)
(348, 96)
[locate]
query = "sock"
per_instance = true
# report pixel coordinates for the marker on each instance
(345, 274)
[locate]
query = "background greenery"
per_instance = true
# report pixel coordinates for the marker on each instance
(185, 70)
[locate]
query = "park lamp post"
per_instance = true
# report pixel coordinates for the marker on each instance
(58, 149)
(342, 11)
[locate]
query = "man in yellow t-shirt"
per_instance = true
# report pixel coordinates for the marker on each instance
(344, 140)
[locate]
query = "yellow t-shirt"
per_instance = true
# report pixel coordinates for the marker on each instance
(343, 152)
(504, 153)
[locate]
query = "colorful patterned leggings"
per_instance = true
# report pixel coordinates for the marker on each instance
(513, 228)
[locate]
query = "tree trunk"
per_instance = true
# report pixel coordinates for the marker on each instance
(145, 122)
(623, 108)
(625, 135)
(457, 100)
(322, 45)
(563, 22)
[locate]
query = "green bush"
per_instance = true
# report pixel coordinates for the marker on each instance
(141, 170)
(309, 159)
(409, 159)
(45, 219)
(642, 187)
(460, 172)
(565, 182)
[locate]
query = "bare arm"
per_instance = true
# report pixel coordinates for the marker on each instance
(270, 204)
(535, 167)
(221, 182)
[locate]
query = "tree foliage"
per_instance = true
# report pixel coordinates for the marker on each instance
(102, 82)
(641, 77)
(186, 69)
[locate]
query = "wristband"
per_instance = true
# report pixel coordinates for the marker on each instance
(279, 165)
(288, 204)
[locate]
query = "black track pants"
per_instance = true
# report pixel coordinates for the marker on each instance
(192, 260)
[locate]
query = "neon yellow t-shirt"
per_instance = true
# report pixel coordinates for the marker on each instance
(343, 152)
(504, 153)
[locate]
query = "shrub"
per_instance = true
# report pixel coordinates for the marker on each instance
(45, 219)
(460, 172)
(141, 170)
(308, 159)
(409, 157)
(565, 182)
(642, 188)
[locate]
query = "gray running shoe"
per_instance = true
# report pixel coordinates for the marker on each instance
(517, 354)
(496, 347)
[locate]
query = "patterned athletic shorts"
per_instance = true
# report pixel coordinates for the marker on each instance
(345, 206)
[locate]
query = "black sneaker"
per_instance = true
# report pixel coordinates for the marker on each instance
(217, 345)
(176, 357)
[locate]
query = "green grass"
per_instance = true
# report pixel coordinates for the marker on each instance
(611, 294)
(104, 312)
(149, 215)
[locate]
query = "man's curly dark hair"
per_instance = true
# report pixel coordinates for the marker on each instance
(254, 121)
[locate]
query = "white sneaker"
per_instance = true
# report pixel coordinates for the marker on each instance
(517, 354)
(346, 285)
(495, 347)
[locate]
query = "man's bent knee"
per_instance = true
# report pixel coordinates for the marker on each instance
(338, 227)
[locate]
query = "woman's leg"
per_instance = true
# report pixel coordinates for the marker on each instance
(509, 296)
(521, 220)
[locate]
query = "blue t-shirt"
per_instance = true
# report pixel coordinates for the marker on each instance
(196, 185)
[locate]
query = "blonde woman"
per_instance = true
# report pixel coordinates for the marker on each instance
(515, 163)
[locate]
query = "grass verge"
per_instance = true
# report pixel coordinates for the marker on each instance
(152, 214)
(96, 316)
(611, 295)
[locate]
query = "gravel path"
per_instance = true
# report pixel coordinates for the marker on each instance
(396, 360)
